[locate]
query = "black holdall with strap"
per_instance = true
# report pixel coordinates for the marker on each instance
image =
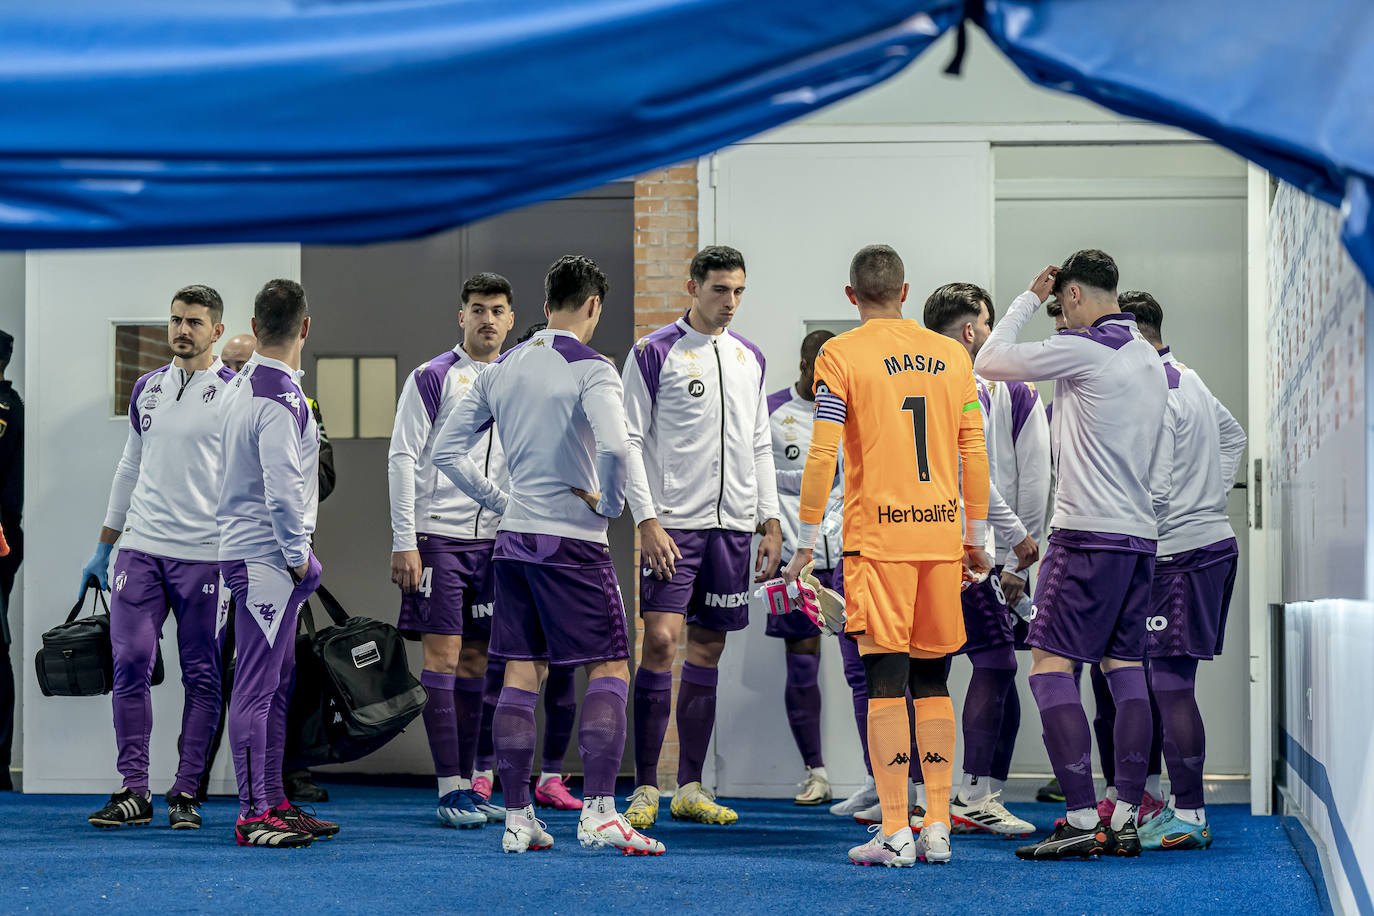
(354, 690)
(76, 659)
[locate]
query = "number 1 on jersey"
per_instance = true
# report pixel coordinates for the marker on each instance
(916, 406)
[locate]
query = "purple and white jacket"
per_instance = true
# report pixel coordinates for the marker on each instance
(1110, 398)
(701, 447)
(422, 499)
(166, 486)
(558, 405)
(271, 488)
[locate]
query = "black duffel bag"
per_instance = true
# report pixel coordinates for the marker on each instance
(354, 691)
(76, 659)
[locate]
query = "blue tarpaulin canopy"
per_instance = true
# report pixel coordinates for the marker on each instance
(154, 122)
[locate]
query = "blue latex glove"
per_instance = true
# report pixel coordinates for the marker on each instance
(99, 566)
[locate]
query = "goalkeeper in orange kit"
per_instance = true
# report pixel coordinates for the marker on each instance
(903, 402)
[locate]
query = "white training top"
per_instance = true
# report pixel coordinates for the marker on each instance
(558, 405)
(271, 489)
(1203, 445)
(166, 485)
(1109, 402)
(1018, 439)
(422, 499)
(701, 447)
(790, 417)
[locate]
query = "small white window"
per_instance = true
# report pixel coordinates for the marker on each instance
(357, 394)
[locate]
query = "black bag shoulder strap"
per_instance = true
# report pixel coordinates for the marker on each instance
(332, 606)
(91, 583)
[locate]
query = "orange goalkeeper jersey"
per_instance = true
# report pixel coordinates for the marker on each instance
(908, 404)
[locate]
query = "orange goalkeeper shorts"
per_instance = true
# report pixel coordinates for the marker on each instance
(905, 605)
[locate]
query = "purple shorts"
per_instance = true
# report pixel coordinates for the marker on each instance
(559, 601)
(1189, 601)
(987, 619)
(455, 593)
(1093, 596)
(795, 624)
(710, 584)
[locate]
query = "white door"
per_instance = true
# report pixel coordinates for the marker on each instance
(798, 213)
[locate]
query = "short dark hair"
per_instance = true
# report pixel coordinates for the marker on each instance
(715, 257)
(955, 303)
(1089, 267)
(487, 284)
(812, 343)
(1053, 308)
(1148, 314)
(280, 308)
(571, 281)
(6, 349)
(876, 273)
(198, 294)
(532, 330)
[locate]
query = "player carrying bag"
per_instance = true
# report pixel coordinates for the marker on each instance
(354, 691)
(76, 659)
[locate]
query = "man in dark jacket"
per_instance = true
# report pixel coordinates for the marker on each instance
(11, 511)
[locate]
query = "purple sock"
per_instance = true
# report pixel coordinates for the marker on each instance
(994, 670)
(512, 731)
(601, 738)
(1157, 735)
(1185, 741)
(1066, 736)
(802, 697)
(560, 711)
(696, 717)
(491, 691)
(441, 722)
(653, 703)
(1104, 724)
(1132, 734)
(467, 708)
(858, 686)
(1006, 739)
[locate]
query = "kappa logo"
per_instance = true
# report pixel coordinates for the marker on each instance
(209, 394)
(932, 757)
(1156, 623)
(156, 389)
(739, 599)
(900, 759)
(792, 452)
(120, 580)
(290, 398)
(266, 611)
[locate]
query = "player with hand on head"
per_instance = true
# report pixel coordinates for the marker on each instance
(963, 312)
(789, 413)
(702, 481)
(558, 405)
(267, 510)
(162, 513)
(1092, 599)
(903, 401)
(1194, 575)
(442, 541)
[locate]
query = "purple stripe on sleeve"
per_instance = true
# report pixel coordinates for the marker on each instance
(1113, 331)
(758, 354)
(651, 351)
(777, 399)
(134, 416)
(1023, 398)
(574, 350)
(429, 379)
(225, 374)
(274, 385)
(984, 396)
(1172, 374)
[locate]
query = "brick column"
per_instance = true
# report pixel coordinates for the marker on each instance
(665, 241)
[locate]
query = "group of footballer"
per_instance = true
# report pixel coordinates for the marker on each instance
(909, 469)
